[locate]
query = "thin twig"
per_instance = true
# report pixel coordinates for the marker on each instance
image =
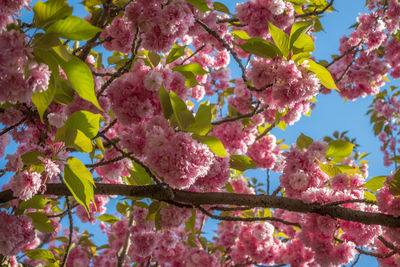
(357, 259)
(241, 219)
(71, 230)
(127, 66)
(242, 116)
(192, 55)
(315, 13)
(122, 255)
(376, 255)
(105, 162)
(5, 130)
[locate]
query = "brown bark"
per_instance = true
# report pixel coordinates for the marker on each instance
(160, 193)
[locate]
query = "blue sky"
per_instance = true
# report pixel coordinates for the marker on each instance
(331, 112)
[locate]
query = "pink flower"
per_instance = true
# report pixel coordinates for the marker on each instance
(25, 184)
(15, 232)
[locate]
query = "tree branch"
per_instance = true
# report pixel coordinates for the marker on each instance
(315, 13)
(160, 193)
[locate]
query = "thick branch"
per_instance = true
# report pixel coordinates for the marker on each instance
(221, 198)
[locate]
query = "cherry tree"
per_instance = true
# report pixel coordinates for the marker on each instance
(160, 130)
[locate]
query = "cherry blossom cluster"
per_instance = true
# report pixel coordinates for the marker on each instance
(169, 57)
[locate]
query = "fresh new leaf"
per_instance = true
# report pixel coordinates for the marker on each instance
(42, 100)
(375, 183)
(46, 40)
(74, 28)
(79, 181)
(165, 102)
(81, 79)
(261, 48)
(140, 175)
(322, 73)
(303, 44)
(303, 141)
(85, 121)
(36, 202)
(241, 35)
(154, 58)
(339, 149)
(182, 115)
(175, 53)
(298, 28)
(49, 12)
(32, 157)
(202, 124)
(331, 170)
(40, 254)
(189, 224)
(218, 6)
(108, 218)
(194, 68)
(199, 4)
(213, 143)
(241, 163)
(41, 222)
(280, 38)
(369, 196)
(74, 138)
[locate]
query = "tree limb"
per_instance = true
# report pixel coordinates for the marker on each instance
(160, 193)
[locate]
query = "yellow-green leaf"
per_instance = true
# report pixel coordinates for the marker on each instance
(79, 181)
(280, 38)
(74, 28)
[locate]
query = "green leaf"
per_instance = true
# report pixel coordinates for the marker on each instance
(194, 68)
(46, 40)
(154, 58)
(43, 55)
(339, 149)
(297, 29)
(303, 141)
(280, 38)
(40, 254)
(303, 44)
(41, 222)
(369, 196)
(218, 6)
(42, 100)
(182, 115)
(36, 202)
(74, 138)
(79, 181)
(165, 102)
(261, 48)
(99, 144)
(331, 170)
(74, 28)
(375, 183)
(108, 218)
(241, 35)
(202, 124)
(213, 143)
(378, 126)
(322, 73)
(49, 12)
(81, 79)
(189, 224)
(241, 163)
(175, 53)
(85, 121)
(199, 4)
(140, 175)
(31, 157)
